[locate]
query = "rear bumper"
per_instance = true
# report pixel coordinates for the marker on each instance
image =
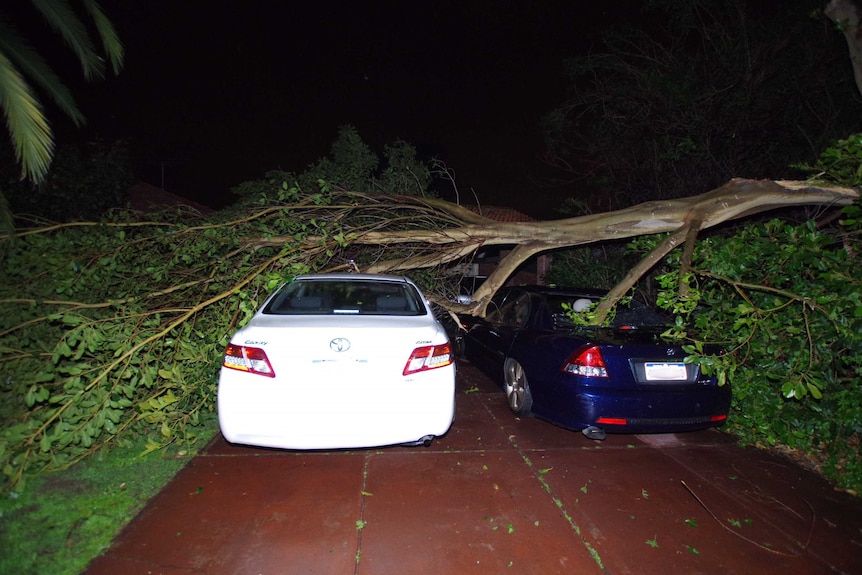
(255, 410)
(645, 425)
(662, 411)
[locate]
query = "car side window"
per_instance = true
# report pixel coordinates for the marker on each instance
(492, 314)
(516, 310)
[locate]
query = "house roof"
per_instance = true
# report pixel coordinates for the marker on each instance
(144, 197)
(501, 214)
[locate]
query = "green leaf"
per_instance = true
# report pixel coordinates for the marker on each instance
(815, 391)
(43, 377)
(62, 350)
(150, 447)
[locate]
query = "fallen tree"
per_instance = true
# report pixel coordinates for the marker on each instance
(116, 327)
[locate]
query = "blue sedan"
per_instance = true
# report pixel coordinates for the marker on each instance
(618, 379)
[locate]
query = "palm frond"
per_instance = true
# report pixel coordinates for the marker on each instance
(110, 41)
(64, 21)
(30, 131)
(33, 66)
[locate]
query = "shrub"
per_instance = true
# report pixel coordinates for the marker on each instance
(786, 302)
(116, 327)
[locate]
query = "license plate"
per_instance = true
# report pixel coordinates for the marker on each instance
(655, 371)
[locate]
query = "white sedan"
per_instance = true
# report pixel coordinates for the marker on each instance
(338, 361)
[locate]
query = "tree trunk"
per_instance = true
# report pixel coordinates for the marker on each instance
(682, 217)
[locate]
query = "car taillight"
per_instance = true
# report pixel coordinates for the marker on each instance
(250, 359)
(586, 361)
(428, 357)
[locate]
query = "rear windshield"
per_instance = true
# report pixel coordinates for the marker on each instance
(347, 297)
(637, 314)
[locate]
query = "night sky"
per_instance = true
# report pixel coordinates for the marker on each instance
(217, 93)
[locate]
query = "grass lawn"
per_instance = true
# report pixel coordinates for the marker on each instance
(59, 522)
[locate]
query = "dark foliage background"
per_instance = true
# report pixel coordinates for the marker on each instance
(696, 93)
(84, 182)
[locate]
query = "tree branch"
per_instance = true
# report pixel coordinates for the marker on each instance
(647, 262)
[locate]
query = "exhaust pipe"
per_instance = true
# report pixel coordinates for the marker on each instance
(595, 433)
(423, 441)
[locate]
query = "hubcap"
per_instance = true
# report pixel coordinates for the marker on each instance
(515, 386)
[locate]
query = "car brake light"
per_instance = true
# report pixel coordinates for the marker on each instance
(586, 361)
(250, 359)
(716, 418)
(428, 357)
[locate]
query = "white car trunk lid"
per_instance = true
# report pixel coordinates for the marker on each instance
(315, 348)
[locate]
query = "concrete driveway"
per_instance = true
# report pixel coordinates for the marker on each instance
(496, 495)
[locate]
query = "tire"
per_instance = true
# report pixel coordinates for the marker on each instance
(459, 347)
(518, 394)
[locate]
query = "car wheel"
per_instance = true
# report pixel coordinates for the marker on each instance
(518, 394)
(458, 346)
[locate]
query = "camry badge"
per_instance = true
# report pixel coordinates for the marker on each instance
(339, 344)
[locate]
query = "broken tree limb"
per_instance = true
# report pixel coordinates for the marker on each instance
(504, 269)
(688, 253)
(425, 260)
(682, 217)
(655, 255)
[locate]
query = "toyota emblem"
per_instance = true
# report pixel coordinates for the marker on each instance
(339, 344)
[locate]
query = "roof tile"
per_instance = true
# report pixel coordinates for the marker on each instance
(501, 214)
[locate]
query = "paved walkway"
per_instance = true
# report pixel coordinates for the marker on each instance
(496, 495)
